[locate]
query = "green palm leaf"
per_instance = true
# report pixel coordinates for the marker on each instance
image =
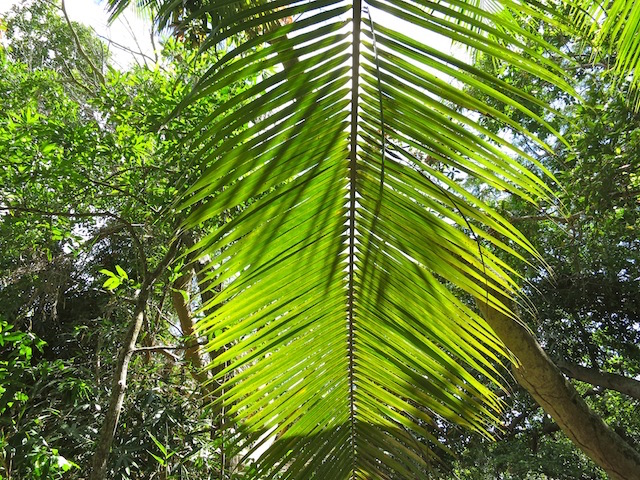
(340, 341)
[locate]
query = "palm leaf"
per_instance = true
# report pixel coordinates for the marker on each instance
(144, 7)
(341, 342)
(612, 29)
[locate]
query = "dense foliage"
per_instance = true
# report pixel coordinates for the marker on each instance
(86, 180)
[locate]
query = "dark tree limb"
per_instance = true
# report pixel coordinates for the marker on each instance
(594, 376)
(545, 217)
(46, 213)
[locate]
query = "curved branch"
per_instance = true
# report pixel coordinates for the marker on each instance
(181, 305)
(84, 55)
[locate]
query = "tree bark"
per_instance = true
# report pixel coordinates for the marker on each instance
(610, 381)
(545, 382)
(207, 293)
(108, 430)
(183, 310)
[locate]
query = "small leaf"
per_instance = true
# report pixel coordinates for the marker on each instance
(162, 448)
(121, 272)
(160, 460)
(107, 272)
(48, 148)
(185, 295)
(111, 283)
(64, 464)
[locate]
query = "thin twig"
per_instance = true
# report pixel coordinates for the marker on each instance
(75, 80)
(135, 39)
(153, 42)
(536, 218)
(56, 213)
(84, 55)
(169, 347)
(123, 47)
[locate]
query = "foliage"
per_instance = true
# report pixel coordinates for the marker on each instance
(23, 447)
(85, 176)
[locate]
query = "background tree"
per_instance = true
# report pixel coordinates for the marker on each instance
(85, 178)
(41, 38)
(586, 311)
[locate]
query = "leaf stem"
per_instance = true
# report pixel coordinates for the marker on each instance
(355, 72)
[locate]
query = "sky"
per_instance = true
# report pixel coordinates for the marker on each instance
(129, 30)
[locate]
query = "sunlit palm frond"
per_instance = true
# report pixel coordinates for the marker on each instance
(337, 330)
(117, 7)
(612, 29)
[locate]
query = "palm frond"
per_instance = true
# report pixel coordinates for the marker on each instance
(143, 7)
(619, 32)
(340, 337)
(612, 28)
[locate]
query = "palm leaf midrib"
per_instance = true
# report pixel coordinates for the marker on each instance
(353, 176)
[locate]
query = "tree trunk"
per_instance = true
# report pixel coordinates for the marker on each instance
(207, 293)
(544, 381)
(108, 431)
(181, 305)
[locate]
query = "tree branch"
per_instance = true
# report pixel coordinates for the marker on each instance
(75, 80)
(116, 400)
(125, 48)
(546, 384)
(154, 348)
(163, 349)
(76, 39)
(538, 218)
(10, 208)
(125, 225)
(610, 381)
(182, 306)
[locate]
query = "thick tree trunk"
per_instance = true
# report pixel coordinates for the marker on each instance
(610, 381)
(108, 431)
(545, 382)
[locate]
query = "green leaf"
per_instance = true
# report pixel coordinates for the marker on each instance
(48, 148)
(111, 283)
(159, 444)
(122, 273)
(158, 459)
(108, 272)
